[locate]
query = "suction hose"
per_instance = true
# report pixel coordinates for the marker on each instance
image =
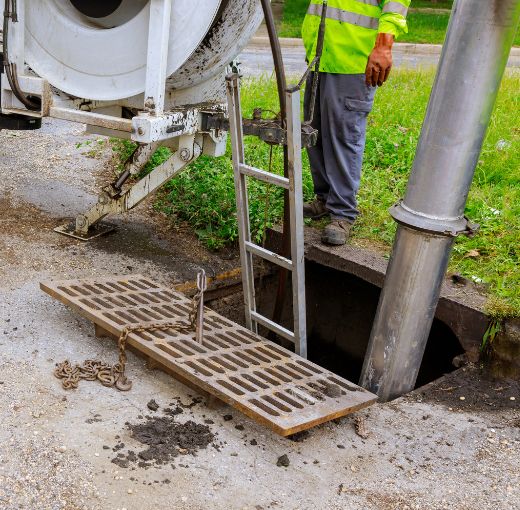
(281, 83)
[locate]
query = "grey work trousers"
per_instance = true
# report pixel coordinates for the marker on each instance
(343, 103)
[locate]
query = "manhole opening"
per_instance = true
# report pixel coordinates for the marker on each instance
(443, 346)
(340, 313)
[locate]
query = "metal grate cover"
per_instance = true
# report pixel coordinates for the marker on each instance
(261, 379)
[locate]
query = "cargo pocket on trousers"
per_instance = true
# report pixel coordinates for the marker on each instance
(356, 113)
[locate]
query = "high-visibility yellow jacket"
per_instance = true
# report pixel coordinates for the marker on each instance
(351, 30)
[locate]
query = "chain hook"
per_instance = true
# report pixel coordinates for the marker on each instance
(202, 285)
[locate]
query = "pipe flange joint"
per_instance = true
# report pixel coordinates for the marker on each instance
(451, 227)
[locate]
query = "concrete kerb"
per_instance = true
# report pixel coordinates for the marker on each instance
(408, 48)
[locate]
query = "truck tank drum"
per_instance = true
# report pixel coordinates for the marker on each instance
(97, 49)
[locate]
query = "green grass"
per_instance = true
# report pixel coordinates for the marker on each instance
(203, 196)
(441, 4)
(422, 27)
(293, 14)
(430, 28)
(492, 257)
(425, 28)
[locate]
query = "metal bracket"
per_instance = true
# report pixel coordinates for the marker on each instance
(268, 130)
(437, 226)
(96, 230)
(147, 128)
(31, 86)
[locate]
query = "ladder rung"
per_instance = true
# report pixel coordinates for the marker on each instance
(269, 255)
(262, 175)
(276, 328)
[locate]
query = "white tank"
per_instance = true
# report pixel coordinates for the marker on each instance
(97, 49)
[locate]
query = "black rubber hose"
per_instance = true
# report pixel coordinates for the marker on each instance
(10, 69)
(276, 50)
(281, 82)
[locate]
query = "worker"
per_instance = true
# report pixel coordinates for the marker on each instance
(356, 59)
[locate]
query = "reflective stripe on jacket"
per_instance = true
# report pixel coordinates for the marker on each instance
(351, 30)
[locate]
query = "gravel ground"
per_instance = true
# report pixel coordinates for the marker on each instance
(434, 449)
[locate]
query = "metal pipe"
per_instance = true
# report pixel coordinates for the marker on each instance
(473, 60)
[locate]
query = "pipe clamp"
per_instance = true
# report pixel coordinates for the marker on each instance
(452, 227)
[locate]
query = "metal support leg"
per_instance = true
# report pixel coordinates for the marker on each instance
(473, 61)
(190, 148)
(135, 164)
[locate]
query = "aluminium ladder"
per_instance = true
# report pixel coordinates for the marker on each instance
(293, 183)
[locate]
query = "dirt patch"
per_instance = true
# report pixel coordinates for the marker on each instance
(472, 389)
(22, 219)
(173, 411)
(283, 461)
(165, 439)
(152, 405)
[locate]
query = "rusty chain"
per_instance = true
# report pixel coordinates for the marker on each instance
(114, 375)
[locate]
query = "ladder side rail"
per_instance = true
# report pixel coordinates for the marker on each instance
(244, 232)
(294, 145)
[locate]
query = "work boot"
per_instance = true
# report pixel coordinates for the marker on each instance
(337, 232)
(315, 209)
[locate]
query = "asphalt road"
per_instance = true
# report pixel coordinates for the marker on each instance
(256, 59)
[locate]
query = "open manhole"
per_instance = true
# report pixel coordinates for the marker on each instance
(340, 313)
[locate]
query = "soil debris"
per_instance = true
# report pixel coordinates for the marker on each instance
(118, 447)
(283, 461)
(332, 390)
(173, 411)
(194, 401)
(299, 437)
(481, 391)
(165, 439)
(152, 405)
(95, 419)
